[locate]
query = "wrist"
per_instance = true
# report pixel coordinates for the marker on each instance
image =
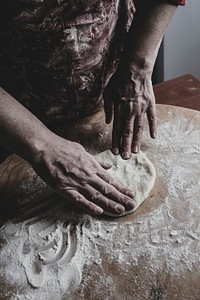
(142, 66)
(138, 64)
(134, 73)
(38, 146)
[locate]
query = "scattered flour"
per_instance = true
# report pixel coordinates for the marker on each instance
(65, 255)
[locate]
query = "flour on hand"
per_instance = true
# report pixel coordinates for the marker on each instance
(137, 173)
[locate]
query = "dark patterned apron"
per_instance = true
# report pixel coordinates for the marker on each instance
(57, 55)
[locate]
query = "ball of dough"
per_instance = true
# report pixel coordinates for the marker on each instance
(137, 173)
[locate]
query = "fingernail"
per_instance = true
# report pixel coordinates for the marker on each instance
(130, 205)
(154, 135)
(107, 166)
(125, 155)
(119, 208)
(115, 151)
(135, 149)
(98, 210)
(130, 194)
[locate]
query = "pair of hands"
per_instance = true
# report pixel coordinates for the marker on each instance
(77, 175)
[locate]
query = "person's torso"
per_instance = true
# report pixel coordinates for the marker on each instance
(56, 55)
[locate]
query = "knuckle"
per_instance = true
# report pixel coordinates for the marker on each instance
(108, 190)
(86, 180)
(78, 199)
(139, 127)
(96, 196)
(111, 181)
(129, 123)
(152, 117)
(135, 106)
(79, 146)
(106, 202)
(128, 132)
(123, 190)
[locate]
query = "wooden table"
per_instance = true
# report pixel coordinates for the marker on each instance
(182, 91)
(125, 267)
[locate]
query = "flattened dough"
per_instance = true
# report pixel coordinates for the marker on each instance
(137, 173)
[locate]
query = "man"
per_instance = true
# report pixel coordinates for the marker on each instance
(61, 59)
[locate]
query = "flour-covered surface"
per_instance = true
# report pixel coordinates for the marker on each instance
(48, 252)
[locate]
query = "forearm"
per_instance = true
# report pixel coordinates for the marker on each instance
(150, 22)
(20, 131)
(65, 166)
(130, 90)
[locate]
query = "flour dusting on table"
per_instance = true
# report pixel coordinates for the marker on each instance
(54, 252)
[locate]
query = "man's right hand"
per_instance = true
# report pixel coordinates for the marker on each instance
(80, 178)
(63, 165)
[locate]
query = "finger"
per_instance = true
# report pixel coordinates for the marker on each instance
(98, 198)
(114, 191)
(151, 116)
(80, 200)
(127, 139)
(104, 164)
(116, 132)
(108, 107)
(116, 184)
(137, 133)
